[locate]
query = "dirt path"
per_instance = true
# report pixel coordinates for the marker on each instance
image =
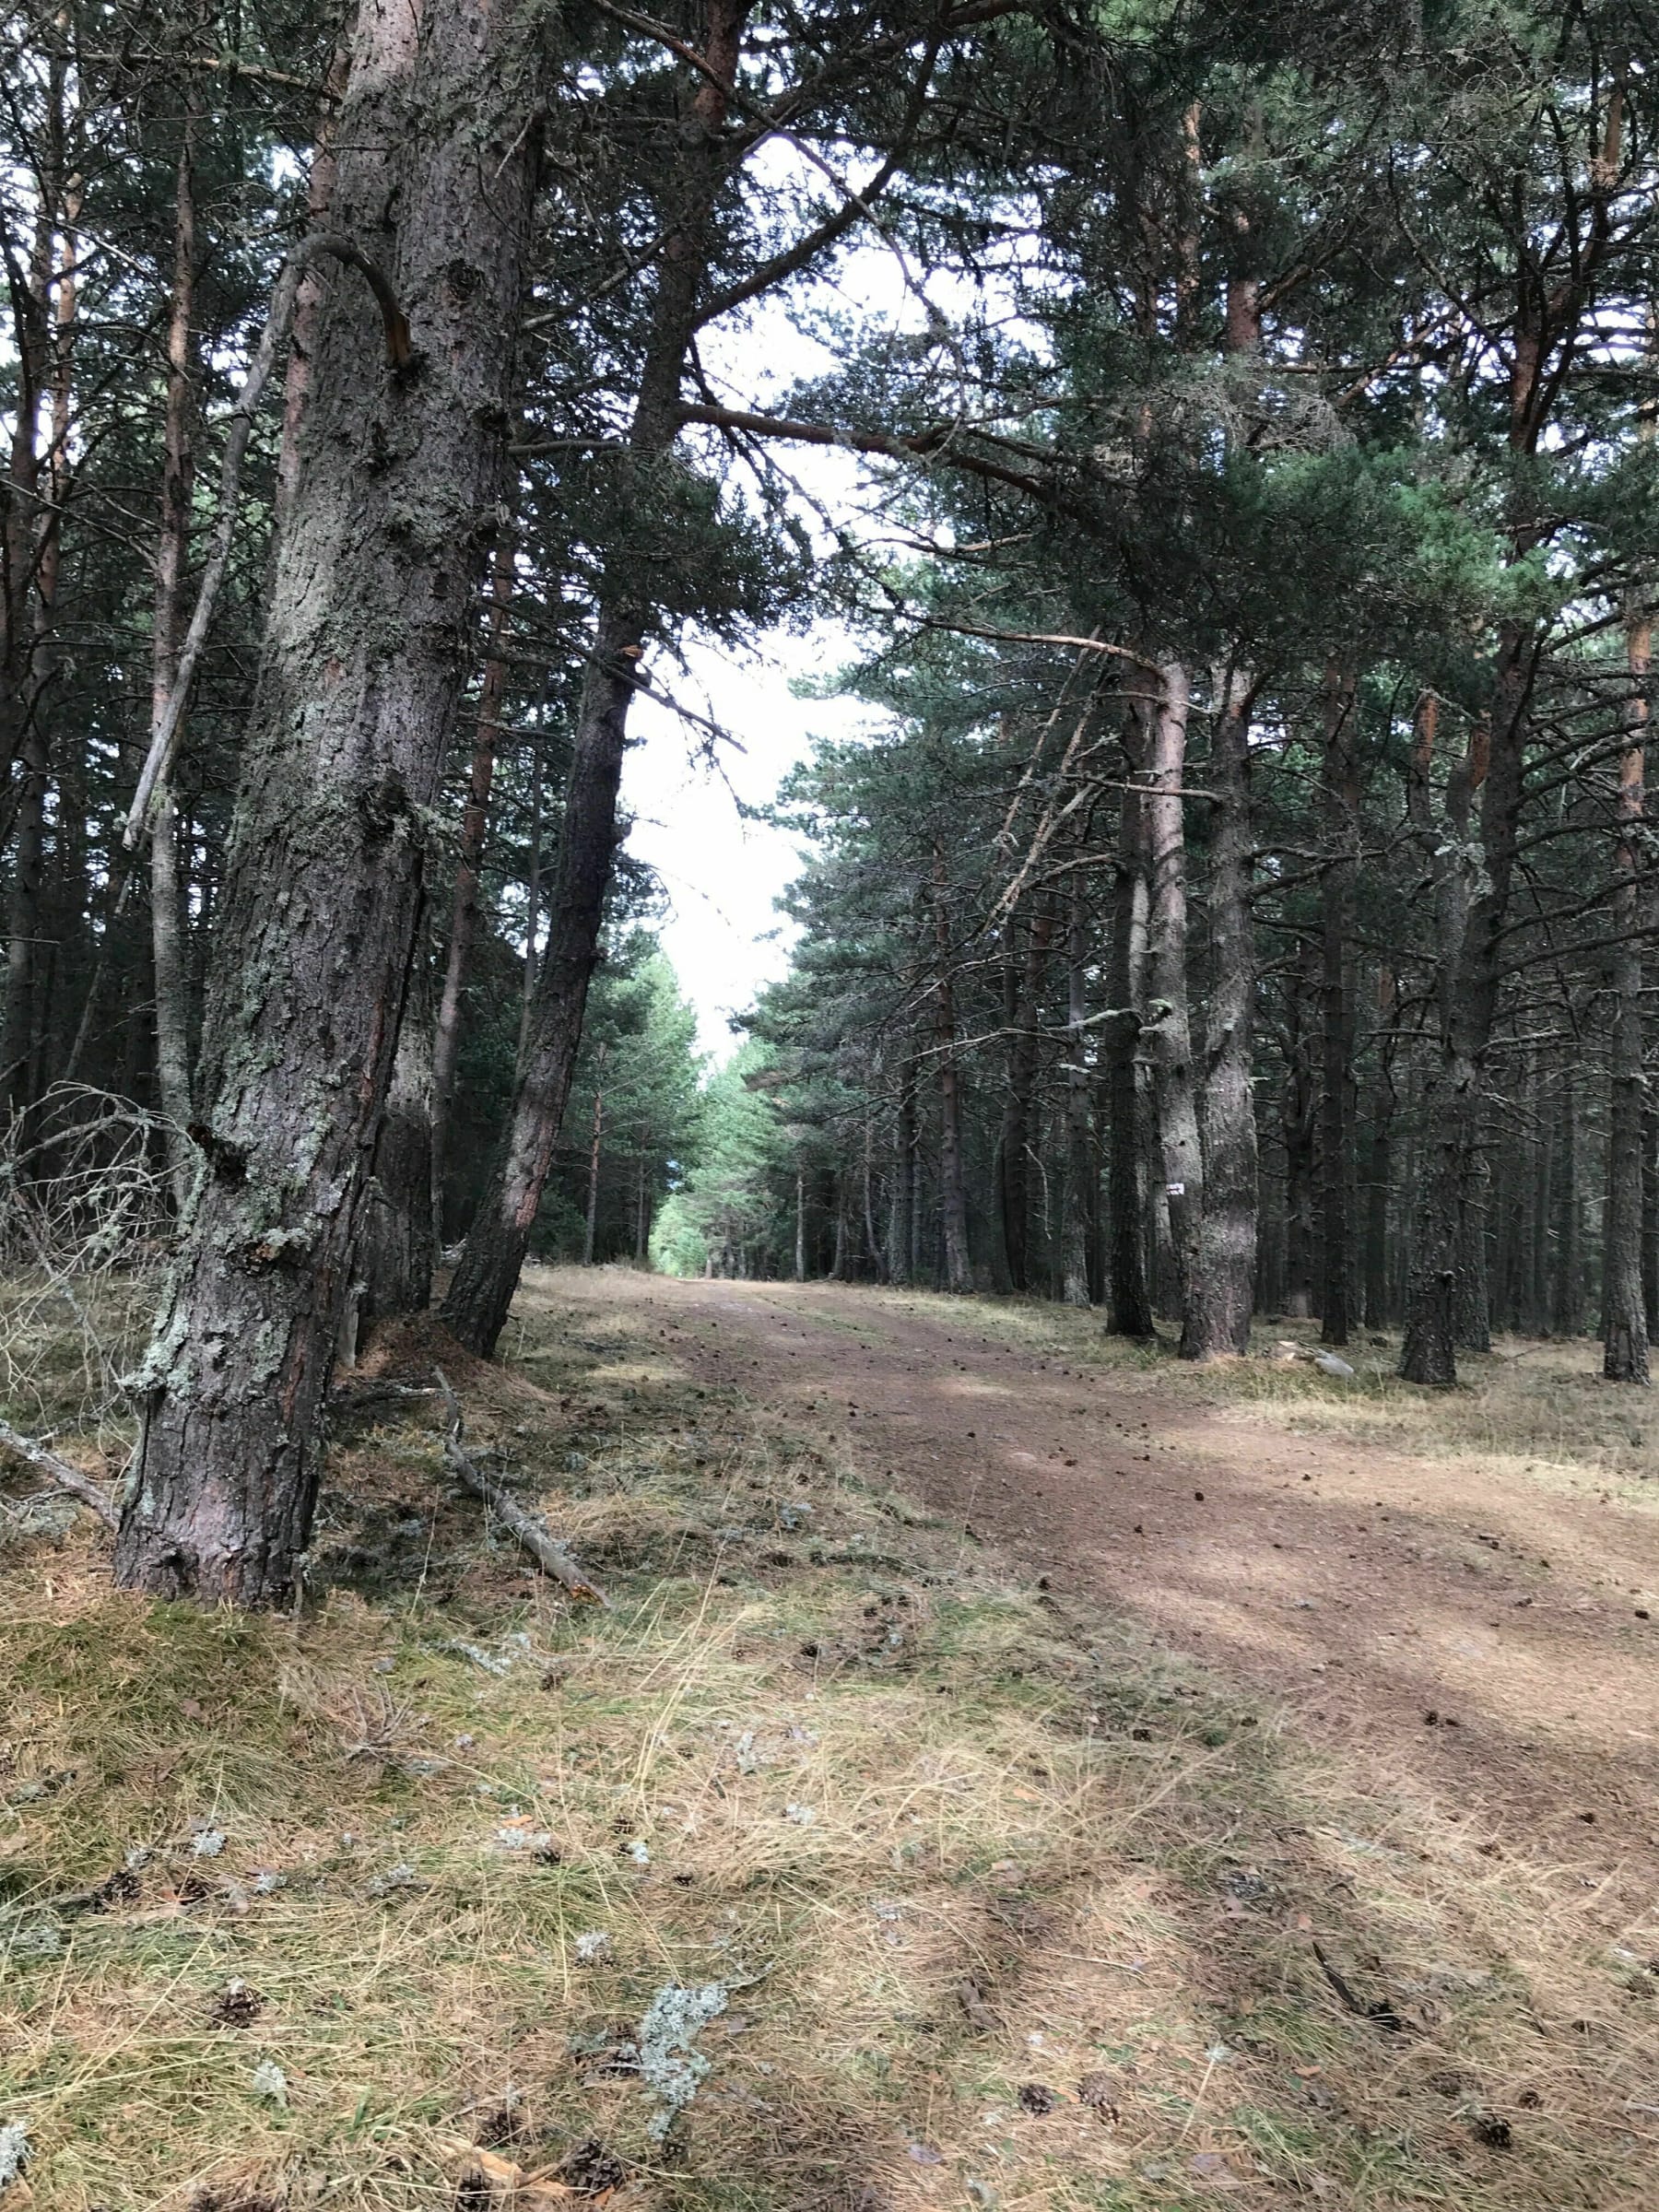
(1489, 1651)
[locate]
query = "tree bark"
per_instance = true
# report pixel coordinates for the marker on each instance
(1078, 1223)
(168, 941)
(1128, 1300)
(1223, 1293)
(482, 1289)
(394, 1251)
(401, 477)
(1625, 1318)
(1170, 1030)
(1339, 790)
(953, 1193)
(463, 910)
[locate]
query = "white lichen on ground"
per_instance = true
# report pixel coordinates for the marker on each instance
(671, 2066)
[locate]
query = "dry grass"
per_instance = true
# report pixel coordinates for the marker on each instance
(939, 1840)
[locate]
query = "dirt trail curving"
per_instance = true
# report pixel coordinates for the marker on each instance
(1486, 1650)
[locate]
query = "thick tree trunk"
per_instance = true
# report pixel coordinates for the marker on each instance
(1340, 793)
(400, 480)
(1223, 1293)
(1625, 1318)
(1078, 1223)
(1170, 1030)
(484, 1282)
(167, 939)
(1128, 1300)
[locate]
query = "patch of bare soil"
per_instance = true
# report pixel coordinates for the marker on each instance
(1493, 1651)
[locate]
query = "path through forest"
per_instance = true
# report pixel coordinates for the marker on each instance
(1492, 1647)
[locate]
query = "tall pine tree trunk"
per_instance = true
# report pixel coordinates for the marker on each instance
(167, 890)
(1223, 1294)
(1077, 1221)
(1129, 1302)
(1625, 1318)
(401, 476)
(481, 1290)
(464, 909)
(1339, 790)
(1169, 1029)
(953, 1191)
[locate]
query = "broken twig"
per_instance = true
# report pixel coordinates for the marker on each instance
(59, 1471)
(536, 1538)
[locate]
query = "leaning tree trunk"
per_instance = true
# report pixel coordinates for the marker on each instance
(1170, 1030)
(1625, 1319)
(401, 477)
(1223, 1292)
(481, 1290)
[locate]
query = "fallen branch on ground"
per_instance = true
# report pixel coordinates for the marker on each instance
(59, 1471)
(537, 1540)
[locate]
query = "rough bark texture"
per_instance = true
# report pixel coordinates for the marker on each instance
(481, 1290)
(1168, 1030)
(1471, 933)
(463, 913)
(396, 1251)
(1128, 1300)
(1625, 1319)
(1340, 793)
(1076, 1230)
(399, 485)
(953, 1193)
(1223, 1292)
(172, 548)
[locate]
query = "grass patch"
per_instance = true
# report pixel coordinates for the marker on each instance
(293, 1909)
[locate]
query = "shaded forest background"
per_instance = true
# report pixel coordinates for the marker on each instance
(1241, 900)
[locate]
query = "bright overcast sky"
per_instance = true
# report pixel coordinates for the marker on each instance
(721, 874)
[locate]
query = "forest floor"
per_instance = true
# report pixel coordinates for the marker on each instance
(1077, 1781)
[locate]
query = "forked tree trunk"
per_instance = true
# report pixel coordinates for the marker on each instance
(401, 477)
(484, 1282)
(1223, 1293)
(395, 1251)
(1625, 1319)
